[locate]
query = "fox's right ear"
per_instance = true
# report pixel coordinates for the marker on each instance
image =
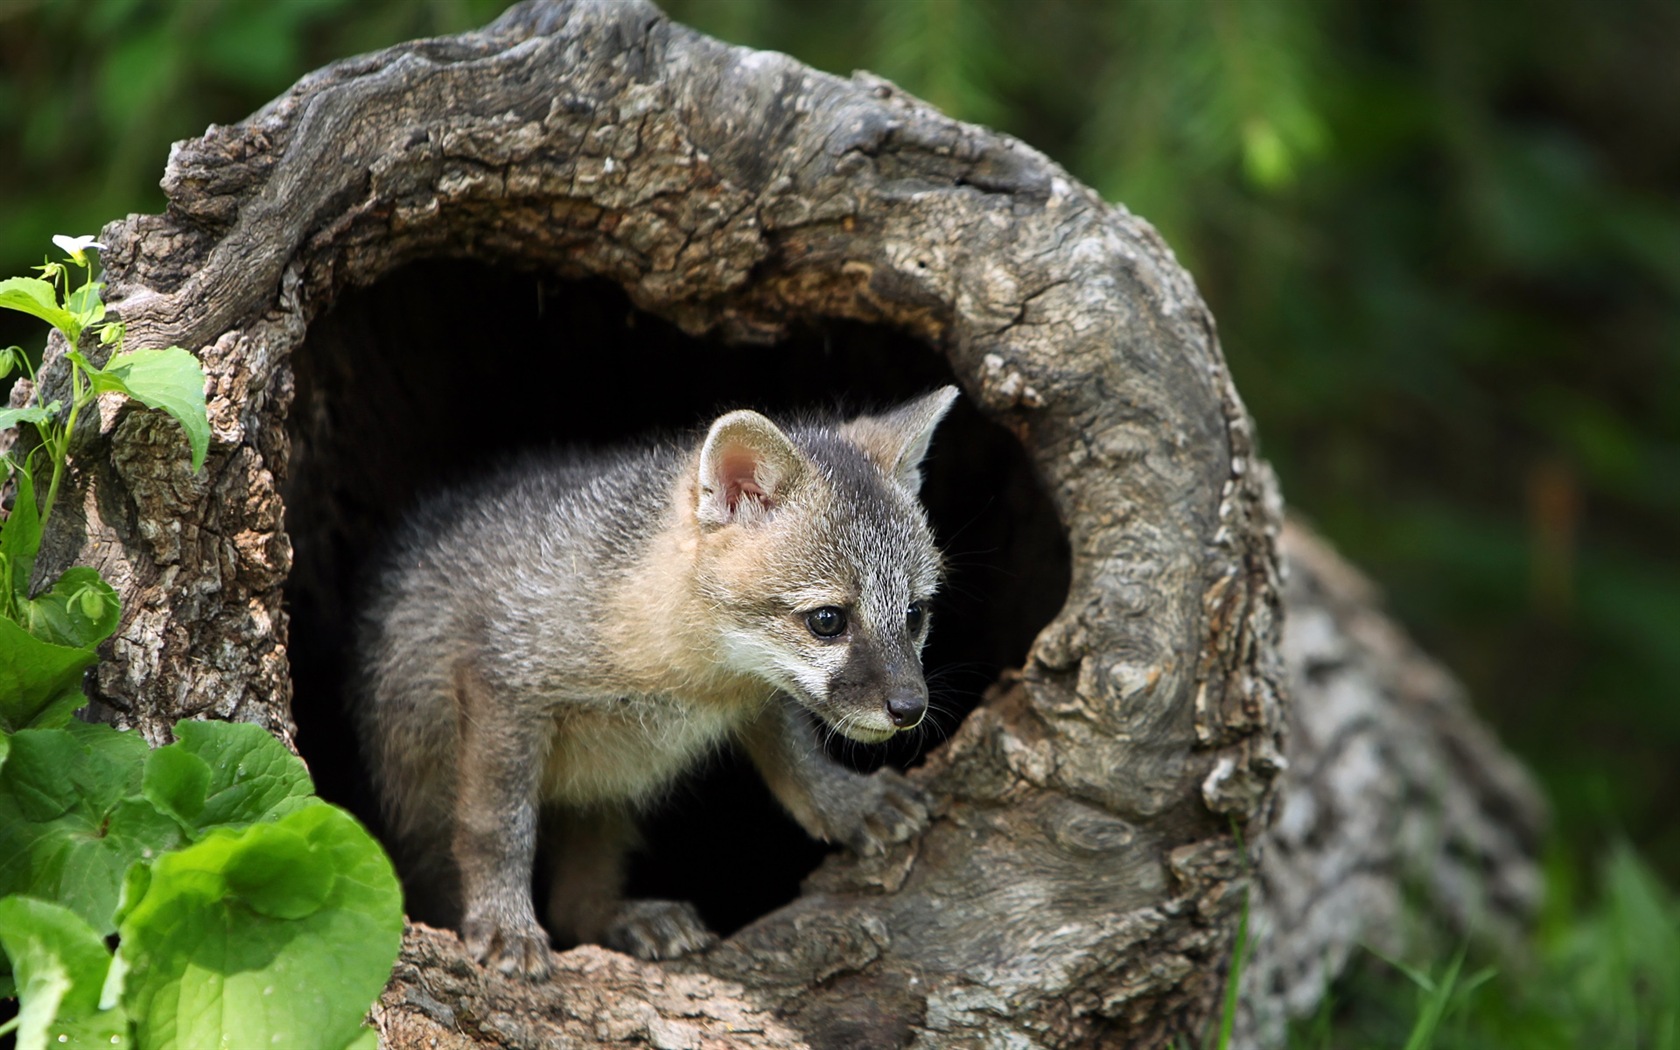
(898, 440)
(747, 467)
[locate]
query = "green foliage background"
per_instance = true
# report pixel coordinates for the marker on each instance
(1442, 241)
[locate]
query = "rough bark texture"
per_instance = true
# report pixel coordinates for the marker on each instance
(1082, 880)
(1397, 806)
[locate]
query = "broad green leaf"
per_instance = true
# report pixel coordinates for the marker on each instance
(11, 417)
(168, 379)
(176, 781)
(36, 297)
(252, 775)
(135, 883)
(274, 934)
(40, 683)
(20, 540)
(80, 611)
(61, 965)
(51, 772)
(277, 873)
(72, 819)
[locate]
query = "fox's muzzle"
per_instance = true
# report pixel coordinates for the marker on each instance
(884, 693)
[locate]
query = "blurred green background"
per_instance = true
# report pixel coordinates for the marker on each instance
(1442, 240)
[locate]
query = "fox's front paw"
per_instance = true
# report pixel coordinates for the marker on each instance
(893, 810)
(515, 948)
(658, 930)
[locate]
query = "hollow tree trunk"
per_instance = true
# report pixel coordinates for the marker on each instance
(1097, 814)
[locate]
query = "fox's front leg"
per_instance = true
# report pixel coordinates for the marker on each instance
(866, 812)
(500, 761)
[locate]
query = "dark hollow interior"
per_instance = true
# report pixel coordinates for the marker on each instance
(423, 378)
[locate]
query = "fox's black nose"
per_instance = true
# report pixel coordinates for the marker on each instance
(906, 709)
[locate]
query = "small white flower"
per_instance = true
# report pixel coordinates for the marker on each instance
(76, 247)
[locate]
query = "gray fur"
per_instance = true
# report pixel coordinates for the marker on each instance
(553, 646)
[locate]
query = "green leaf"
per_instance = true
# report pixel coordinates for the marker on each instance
(176, 781)
(275, 934)
(36, 297)
(20, 540)
(80, 611)
(168, 379)
(85, 304)
(1436, 1003)
(40, 683)
(277, 873)
(61, 966)
(367, 1039)
(252, 776)
(72, 819)
(11, 417)
(136, 881)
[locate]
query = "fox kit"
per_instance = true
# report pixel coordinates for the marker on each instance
(547, 651)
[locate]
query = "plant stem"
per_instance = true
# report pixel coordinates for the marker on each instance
(58, 445)
(61, 447)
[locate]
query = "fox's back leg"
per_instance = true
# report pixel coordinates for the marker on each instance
(409, 737)
(587, 850)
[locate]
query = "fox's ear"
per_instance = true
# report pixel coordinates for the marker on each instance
(747, 467)
(898, 440)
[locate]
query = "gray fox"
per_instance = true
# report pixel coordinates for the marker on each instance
(546, 651)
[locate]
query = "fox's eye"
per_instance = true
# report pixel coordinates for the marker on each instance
(826, 622)
(915, 617)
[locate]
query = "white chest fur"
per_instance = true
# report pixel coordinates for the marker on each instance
(631, 750)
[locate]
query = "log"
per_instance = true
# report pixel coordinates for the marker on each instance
(585, 220)
(1401, 824)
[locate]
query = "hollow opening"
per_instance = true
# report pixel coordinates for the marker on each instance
(434, 372)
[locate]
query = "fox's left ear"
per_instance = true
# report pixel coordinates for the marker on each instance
(898, 440)
(747, 468)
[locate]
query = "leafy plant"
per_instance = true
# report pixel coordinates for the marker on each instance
(246, 911)
(48, 639)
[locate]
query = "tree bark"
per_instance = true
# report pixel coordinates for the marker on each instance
(1400, 823)
(1097, 814)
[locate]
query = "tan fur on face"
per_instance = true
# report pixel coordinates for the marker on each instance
(662, 629)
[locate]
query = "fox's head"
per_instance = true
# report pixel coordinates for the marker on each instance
(816, 556)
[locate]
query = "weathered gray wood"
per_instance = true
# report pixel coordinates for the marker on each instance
(1401, 823)
(1081, 882)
